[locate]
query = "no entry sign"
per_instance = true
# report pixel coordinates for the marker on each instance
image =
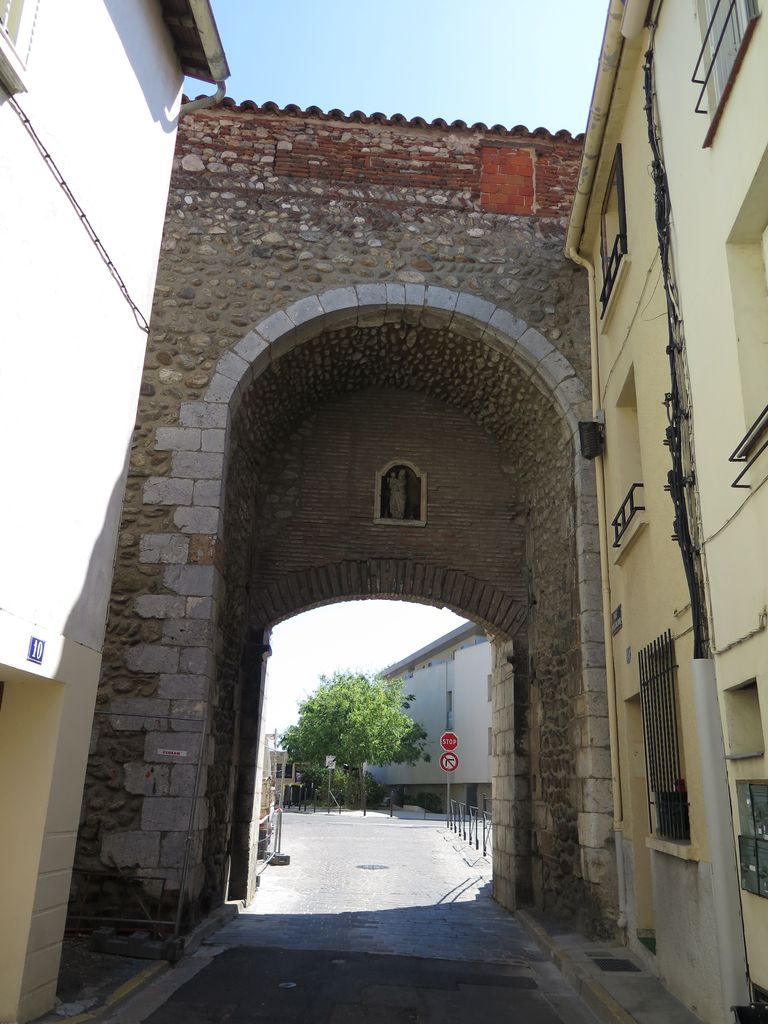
(449, 741)
(449, 761)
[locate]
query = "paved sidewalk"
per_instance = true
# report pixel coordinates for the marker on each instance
(376, 920)
(381, 920)
(380, 885)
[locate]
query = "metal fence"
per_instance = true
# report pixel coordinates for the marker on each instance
(101, 898)
(270, 838)
(473, 825)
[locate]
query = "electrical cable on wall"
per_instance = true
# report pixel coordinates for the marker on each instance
(82, 217)
(681, 477)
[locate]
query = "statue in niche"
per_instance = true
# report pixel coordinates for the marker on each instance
(400, 494)
(397, 482)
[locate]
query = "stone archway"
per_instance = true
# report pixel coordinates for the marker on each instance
(200, 656)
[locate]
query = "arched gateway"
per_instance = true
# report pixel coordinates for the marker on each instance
(391, 437)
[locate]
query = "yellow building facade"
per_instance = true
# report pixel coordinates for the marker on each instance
(670, 224)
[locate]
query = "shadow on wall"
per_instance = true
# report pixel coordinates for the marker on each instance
(140, 52)
(87, 619)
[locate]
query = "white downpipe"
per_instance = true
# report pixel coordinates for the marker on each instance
(610, 54)
(608, 64)
(722, 851)
(634, 19)
(610, 674)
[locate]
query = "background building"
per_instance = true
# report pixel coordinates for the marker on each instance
(89, 100)
(670, 220)
(450, 680)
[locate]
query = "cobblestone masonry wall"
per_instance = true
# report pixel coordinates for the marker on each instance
(334, 293)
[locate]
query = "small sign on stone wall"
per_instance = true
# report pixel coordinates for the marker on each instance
(400, 495)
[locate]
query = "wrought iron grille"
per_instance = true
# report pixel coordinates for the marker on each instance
(667, 793)
(625, 515)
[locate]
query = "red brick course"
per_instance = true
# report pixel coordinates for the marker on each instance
(521, 173)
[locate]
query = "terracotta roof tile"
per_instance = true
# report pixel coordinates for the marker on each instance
(358, 117)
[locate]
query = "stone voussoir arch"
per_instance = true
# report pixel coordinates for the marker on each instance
(400, 579)
(198, 444)
(185, 594)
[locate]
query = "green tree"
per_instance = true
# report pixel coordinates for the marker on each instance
(359, 718)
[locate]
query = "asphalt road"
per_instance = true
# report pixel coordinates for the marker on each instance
(376, 920)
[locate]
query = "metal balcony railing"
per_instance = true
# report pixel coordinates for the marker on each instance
(611, 269)
(749, 449)
(726, 32)
(625, 515)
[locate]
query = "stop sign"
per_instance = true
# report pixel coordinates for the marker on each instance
(449, 741)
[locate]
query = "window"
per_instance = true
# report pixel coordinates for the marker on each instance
(613, 230)
(728, 27)
(753, 838)
(742, 714)
(10, 16)
(490, 740)
(16, 22)
(624, 433)
(490, 686)
(667, 792)
(747, 253)
(449, 709)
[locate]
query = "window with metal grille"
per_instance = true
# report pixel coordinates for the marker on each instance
(667, 792)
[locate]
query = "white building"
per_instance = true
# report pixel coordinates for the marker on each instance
(450, 680)
(89, 102)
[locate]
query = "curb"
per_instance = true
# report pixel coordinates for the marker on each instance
(215, 920)
(121, 992)
(602, 1004)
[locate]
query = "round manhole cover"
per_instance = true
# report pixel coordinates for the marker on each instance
(372, 867)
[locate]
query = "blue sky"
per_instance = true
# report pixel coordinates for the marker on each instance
(500, 62)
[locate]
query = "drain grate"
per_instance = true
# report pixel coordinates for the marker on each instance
(606, 963)
(372, 867)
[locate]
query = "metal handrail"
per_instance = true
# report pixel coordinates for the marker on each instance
(625, 515)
